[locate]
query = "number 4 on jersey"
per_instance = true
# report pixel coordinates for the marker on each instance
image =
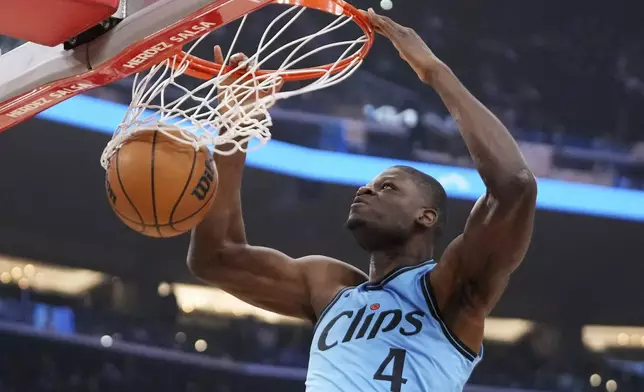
(397, 355)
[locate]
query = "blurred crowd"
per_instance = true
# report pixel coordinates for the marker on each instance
(46, 356)
(40, 365)
(569, 77)
(572, 70)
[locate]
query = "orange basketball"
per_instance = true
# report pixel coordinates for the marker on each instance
(158, 186)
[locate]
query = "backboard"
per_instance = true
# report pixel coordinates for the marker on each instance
(36, 77)
(146, 32)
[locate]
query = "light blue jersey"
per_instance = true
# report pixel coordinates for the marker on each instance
(387, 337)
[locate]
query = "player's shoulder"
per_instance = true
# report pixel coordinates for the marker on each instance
(324, 269)
(326, 277)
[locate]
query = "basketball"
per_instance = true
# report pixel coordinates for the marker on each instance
(158, 186)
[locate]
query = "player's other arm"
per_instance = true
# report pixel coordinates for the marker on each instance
(219, 254)
(476, 265)
(497, 234)
(267, 278)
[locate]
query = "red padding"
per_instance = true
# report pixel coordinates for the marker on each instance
(52, 22)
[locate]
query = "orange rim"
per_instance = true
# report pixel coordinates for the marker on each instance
(206, 70)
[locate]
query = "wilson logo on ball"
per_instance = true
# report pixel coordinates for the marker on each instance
(110, 193)
(205, 182)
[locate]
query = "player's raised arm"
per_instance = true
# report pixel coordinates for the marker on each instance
(220, 255)
(498, 231)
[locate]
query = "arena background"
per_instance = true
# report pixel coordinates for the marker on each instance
(88, 305)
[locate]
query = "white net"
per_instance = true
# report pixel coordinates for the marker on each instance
(161, 101)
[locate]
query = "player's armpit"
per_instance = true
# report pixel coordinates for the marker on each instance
(477, 264)
(274, 281)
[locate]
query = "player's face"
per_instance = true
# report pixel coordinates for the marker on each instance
(384, 211)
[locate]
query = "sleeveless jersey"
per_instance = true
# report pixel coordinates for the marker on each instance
(388, 337)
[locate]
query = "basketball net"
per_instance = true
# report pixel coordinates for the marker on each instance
(237, 104)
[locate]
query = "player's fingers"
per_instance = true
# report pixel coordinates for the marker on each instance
(381, 24)
(237, 58)
(373, 17)
(379, 30)
(234, 60)
(278, 85)
(382, 18)
(384, 32)
(272, 86)
(365, 14)
(219, 55)
(385, 22)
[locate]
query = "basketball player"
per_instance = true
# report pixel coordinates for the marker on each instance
(414, 323)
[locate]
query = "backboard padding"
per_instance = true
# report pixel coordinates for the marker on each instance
(51, 23)
(37, 77)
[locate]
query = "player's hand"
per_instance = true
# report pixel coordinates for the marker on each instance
(232, 95)
(411, 47)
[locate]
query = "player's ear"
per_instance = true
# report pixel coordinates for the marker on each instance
(427, 217)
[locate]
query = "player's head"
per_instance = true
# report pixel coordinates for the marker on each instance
(400, 203)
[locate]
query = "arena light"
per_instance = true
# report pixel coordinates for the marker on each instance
(16, 273)
(107, 341)
(23, 283)
(602, 337)
(507, 330)
(201, 345)
(386, 4)
(215, 301)
(187, 308)
(164, 289)
(42, 277)
(349, 169)
(180, 337)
